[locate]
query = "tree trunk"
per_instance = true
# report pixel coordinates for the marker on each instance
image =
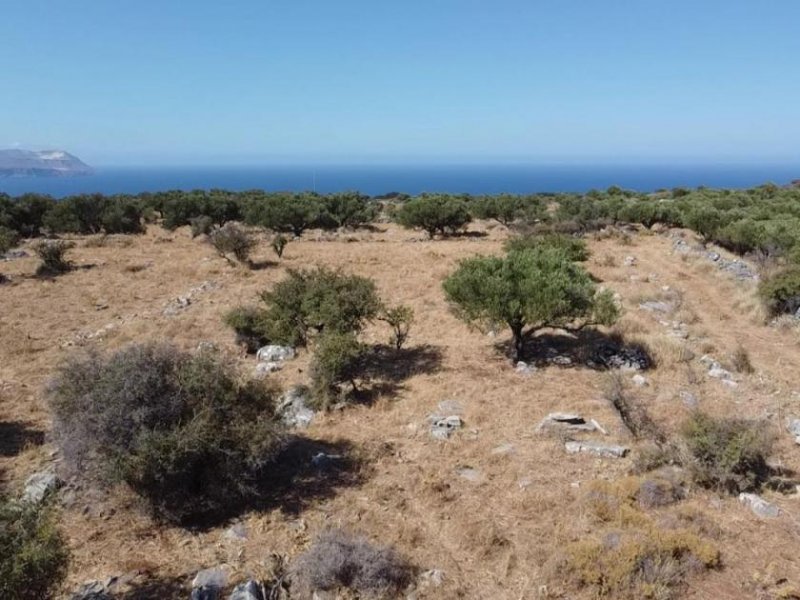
(518, 341)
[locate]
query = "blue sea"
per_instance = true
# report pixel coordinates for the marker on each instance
(376, 180)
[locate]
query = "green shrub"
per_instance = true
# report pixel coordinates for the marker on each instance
(781, 292)
(52, 253)
(181, 430)
(349, 209)
(575, 248)
(202, 225)
(400, 319)
(338, 358)
(33, 554)
(528, 290)
(279, 243)
(435, 214)
(248, 324)
(122, 215)
(729, 455)
(26, 213)
(8, 239)
(312, 301)
(230, 239)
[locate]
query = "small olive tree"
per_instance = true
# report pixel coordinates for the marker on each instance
(231, 239)
(528, 290)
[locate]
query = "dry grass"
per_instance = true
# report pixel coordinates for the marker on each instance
(495, 536)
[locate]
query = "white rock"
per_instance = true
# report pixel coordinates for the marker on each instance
(597, 449)
(265, 368)
(793, 426)
(215, 577)
(443, 427)
(759, 506)
(39, 485)
(639, 380)
(273, 353)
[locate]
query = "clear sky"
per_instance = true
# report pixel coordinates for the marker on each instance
(349, 81)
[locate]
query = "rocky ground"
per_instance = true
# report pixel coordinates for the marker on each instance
(459, 466)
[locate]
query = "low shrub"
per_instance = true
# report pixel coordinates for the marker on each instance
(278, 244)
(338, 560)
(231, 239)
(33, 554)
(627, 553)
(8, 239)
(781, 292)
(573, 247)
(349, 209)
(52, 253)
(338, 358)
(728, 455)
(179, 429)
(202, 225)
(400, 319)
(740, 360)
(248, 324)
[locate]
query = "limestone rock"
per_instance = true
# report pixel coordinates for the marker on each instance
(596, 449)
(275, 354)
(759, 506)
(443, 427)
(39, 485)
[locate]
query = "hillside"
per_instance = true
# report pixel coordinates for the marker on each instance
(491, 512)
(49, 163)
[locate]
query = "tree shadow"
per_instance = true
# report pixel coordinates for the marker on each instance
(260, 265)
(467, 235)
(304, 473)
(589, 348)
(385, 368)
(16, 436)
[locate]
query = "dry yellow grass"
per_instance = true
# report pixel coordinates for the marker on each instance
(493, 538)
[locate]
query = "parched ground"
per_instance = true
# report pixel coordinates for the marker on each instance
(498, 533)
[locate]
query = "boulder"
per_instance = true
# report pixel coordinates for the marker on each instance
(265, 368)
(759, 506)
(793, 426)
(443, 427)
(293, 408)
(568, 422)
(524, 368)
(630, 261)
(251, 590)
(656, 306)
(93, 590)
(39, 485)
(596, 449)
(275, 354)
(639, 380)
(209, 583)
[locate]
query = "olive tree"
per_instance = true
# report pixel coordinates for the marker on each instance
(528, 290)
(435, 213)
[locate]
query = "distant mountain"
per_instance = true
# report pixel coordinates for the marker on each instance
(47, 163)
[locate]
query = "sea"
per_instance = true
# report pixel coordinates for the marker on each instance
(411, 179)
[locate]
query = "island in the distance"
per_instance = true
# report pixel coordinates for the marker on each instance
(46, 163)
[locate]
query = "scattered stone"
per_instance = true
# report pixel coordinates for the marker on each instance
(207, 347)
(275, 354)
(432, 578)
(15, 254)
(714, 256)
(470, 474)
(237, 532)
(39, 485)
(293, 408)
(503, 449)
(524, 368)
(93, 590)
(630, 261)
(656, 306)
(561, 360)
(568, 422)
(452, 407)
(597, 449)
(689, 399)
(793, 425)
(323, 461)
(250, 590)
(639, 380)
(612, 356)
(443, 427)
(759, 506)
(524, 483)
(265, 368)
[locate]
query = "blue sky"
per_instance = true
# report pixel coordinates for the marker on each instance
(350, 81)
